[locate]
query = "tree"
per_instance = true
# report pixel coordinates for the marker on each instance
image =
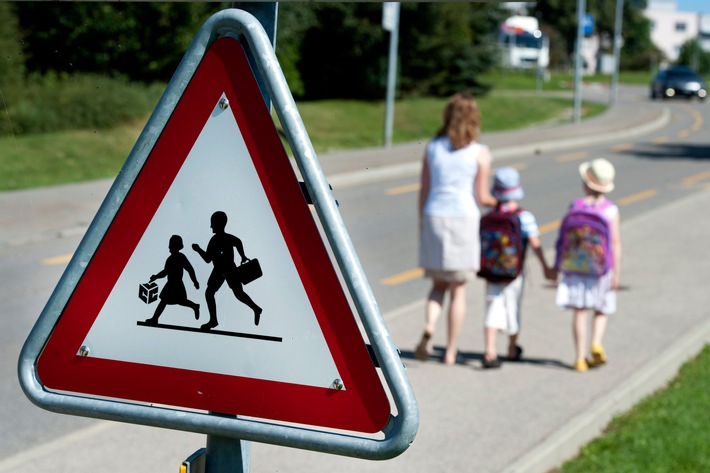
(343, 53)
(691, 54)
(294, 20)
(144, 41)
(449, 47)
(12, 60)
(561, 15)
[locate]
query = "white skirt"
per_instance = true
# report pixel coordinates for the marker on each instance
(579, 292)
(450, 244)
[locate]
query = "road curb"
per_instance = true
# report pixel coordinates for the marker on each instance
(566, 442)
(349, 179)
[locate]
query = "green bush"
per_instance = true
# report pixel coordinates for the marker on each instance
(56, 103)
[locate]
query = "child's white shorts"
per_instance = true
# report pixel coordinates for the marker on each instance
(503, 304)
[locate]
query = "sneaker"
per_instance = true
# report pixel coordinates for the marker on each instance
(581, 365)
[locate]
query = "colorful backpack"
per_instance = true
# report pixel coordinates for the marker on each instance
(584, 242)
(502, 246)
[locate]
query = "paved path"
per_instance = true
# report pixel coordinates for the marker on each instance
(526, 417)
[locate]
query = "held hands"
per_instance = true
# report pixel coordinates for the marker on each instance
(550, 273)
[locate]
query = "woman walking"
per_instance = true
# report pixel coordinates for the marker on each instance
(454, 182)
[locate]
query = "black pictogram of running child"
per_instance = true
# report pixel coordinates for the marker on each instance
(220, 252)
(174, 290)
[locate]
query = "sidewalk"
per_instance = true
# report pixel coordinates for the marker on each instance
(527, 417)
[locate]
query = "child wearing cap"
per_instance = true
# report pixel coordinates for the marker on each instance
(504, 299)
(583, 293)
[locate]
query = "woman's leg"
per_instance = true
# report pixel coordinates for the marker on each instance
(434, 304)
(457, 313)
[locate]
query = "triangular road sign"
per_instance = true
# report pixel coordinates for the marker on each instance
(216, 187)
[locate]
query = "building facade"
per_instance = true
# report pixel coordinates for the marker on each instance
(670, 28)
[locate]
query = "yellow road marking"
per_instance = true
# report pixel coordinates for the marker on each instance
(403, 277)
(633, 198)
(61, 259)
(403, 189)
(660, 140)
(549, 227)
(621, 147)
(519, 166)
(683, 134)
(572, 157)
(698, 123)
(694, 179)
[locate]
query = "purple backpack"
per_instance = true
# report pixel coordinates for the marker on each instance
(584, 242)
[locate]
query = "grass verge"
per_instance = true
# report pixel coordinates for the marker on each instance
(667, 432)
(62, 157)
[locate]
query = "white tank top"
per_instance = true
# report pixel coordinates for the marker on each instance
(451, 174)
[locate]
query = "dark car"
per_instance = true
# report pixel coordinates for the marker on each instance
(678, 81)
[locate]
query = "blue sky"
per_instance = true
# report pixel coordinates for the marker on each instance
(694, 5)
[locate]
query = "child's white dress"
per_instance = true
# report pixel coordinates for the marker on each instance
(583, 292)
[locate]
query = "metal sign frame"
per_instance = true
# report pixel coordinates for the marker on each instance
(399, 431)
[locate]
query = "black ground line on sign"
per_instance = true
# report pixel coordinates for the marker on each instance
(212, 331)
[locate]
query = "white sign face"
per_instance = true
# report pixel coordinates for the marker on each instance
(287, 345)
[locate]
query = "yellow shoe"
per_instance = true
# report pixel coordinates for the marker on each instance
(581, 365)
(598, 355)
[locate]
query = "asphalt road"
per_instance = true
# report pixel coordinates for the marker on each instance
(659, 173)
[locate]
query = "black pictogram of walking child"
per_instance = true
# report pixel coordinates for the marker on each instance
(174, 290)
(220, 252)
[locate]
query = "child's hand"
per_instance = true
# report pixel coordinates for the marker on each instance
(615, 281)
(197, 285)
(551, 274)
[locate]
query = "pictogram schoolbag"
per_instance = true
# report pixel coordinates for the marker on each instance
(584, 241)
(502, 246)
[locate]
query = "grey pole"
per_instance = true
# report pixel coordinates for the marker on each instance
(391, 70)
(581, 10)
(224, 454)
(266, 13)
(227, 455)
(617, 50)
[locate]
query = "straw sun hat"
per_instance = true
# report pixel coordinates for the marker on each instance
(598, 175)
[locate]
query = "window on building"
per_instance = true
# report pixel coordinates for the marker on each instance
(680, 26)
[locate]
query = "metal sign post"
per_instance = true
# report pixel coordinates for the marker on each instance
(390, 22)
(581, 9)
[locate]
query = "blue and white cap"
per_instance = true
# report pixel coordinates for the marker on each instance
(506, 185)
